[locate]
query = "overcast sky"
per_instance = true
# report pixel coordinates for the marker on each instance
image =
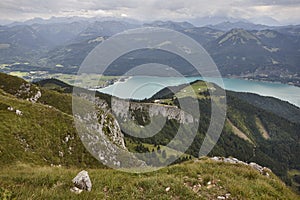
(284, 11)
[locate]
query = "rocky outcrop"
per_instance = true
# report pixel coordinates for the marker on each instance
(82, 182)
(29, 92)
(262, 170)
(101, 134)
(36, 97)
(124, 109)
(106, 124)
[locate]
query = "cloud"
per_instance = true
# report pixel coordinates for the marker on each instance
(281, 10)
(274, 2)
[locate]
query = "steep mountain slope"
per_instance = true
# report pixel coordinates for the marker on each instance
(19, 43)
(25, 36)
(71, 55)
(104, 29)
(43, 132)
(238, 51)
(40, 135)
(290, 30)
(59, 34)
(28, 43)
(203, 35)
(37, 133)
(276, 106)
(284, 49)
(257, 53)
(244, 133)
(40, 129)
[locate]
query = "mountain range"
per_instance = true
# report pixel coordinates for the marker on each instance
(41, 142)
(239, 49)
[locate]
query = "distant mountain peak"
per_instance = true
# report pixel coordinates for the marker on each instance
(267, 33)
(227, 25)
(238, 36)
(170, 25)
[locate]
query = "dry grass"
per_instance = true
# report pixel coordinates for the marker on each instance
(197, 179)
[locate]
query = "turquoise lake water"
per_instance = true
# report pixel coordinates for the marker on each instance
(144, 87)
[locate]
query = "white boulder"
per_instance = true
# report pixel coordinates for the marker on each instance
(19, 112)
(82, 182)
(10, 108)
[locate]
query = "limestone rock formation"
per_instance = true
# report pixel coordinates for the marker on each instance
(82, 182)
(263, 170)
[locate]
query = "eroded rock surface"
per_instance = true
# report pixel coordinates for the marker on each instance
(82, 182)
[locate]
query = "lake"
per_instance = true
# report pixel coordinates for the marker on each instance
(141, 87)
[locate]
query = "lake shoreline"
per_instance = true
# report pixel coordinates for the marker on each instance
(228, 77)
(142, 87)
(264, 80)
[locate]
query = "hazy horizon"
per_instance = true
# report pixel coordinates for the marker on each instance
(266, 12)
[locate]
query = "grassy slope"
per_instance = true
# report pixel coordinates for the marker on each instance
(279, 152)
(31, 182)
(276, 106)
(38, 136)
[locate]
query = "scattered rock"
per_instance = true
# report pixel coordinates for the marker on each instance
(105, 189)
(188, 184)
(53, 165)
(199, 178)
(82, 182)
(221, 197)
(255, 166)
(227, 195)
(10, 108)
(141, 189)
(168, 189)
(196, 188)
(265, 171)
(35, 98)
(76, 190)
(18, 112)
(209, 186)
(61, 154)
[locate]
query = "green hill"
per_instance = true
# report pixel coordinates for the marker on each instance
(40, 151)
(43, 134)
(252, 132)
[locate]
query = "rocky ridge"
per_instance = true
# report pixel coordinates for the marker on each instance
(262, 170)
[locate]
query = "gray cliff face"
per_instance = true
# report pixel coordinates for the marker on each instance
(100, 120)
(101, 132)
(124, 109)
(102, 136)
(110, 127)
